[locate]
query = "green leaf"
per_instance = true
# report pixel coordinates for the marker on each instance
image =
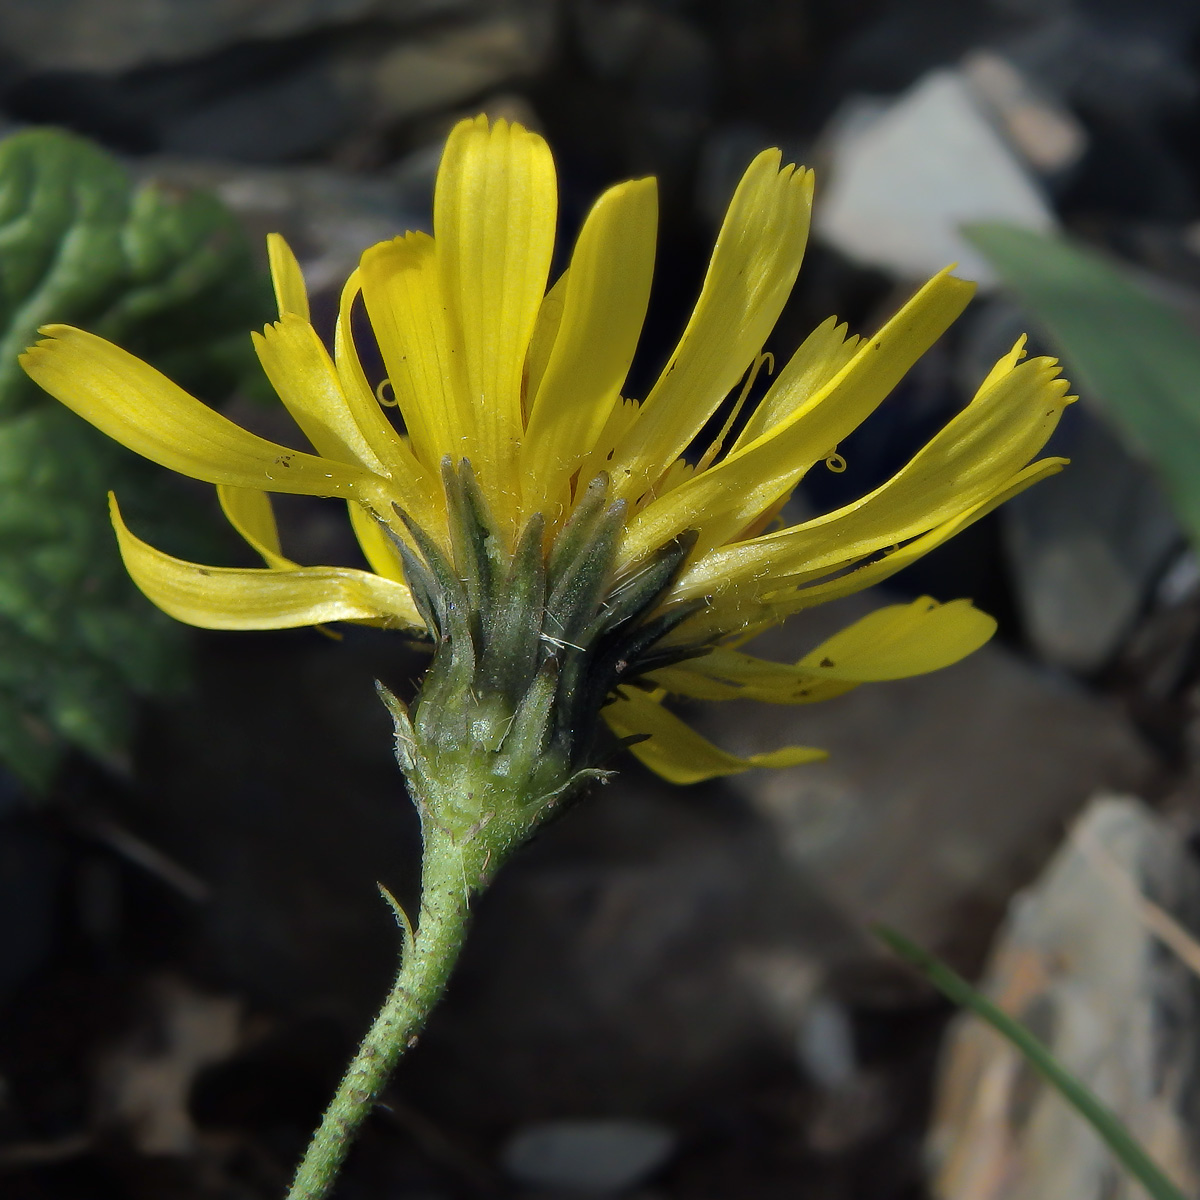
(170, 276)
(166, 273)
(1123, 1145)
(1129, 350)
(77, 640)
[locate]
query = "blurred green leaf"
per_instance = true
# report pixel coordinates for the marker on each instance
(170, 276)
(1119, 1140)
(1129, 350)
(166, 273)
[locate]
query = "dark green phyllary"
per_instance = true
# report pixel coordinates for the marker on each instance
(530, 645)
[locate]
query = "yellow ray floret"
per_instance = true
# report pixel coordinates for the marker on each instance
(677, 752)
(144, 410)
(261, 598)
(482, 363)
(250, 512)
(291, 295)
(604, 297)
(895, 642)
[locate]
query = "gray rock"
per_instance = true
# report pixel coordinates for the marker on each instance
(142, 1083)
(1087, 546)
(611, 35)
(672, 90)
(666, 69)
(446, 68)
(941, 793)
(902, 184)
(282, 118)
(1048, 135)
(238, 793)
(1180, 581)
(1081, 961)
(117, 35)
(1129, 62)
(825, 1044)
(328, 216)
(598, 1157)
(31, 873)
(342, 100)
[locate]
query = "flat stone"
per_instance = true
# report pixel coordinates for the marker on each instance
(142, 1083)
(941, 794)
(284, 117)
(1081, 962)
(1129, 61)
(611, 34)
(449, 67)
(825, 1045)
(1047, 134)
(651, 948)
(1087, 547)
(902, 184)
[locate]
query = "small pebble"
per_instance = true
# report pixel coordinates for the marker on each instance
(595, 1157)
(825, 1044)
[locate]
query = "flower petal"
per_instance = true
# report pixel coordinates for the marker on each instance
(304, 378)
(290, 293)
(731, 678)
(677, 752)
(984, 445)
(900, 641)
(753, 267)
(142, 409)
(545, 334)
(604, 304)
(375, 544)
(404, 302)
(494, 212)
(341, 425)
(249, 511)
(346, 360)
(896, 560)
(622, 418)
(260, 598)
(895, 642)
(820, 357)
(749, 609)
(729, 496)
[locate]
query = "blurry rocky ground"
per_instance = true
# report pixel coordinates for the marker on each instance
(672, 993)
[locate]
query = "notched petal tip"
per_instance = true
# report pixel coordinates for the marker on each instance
(51, 337)
(770, 159)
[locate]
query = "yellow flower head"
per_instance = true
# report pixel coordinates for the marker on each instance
(515, 451)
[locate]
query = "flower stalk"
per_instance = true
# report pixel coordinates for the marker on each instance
(429, 956)
(502, 732)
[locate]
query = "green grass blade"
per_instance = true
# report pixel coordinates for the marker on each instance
(1123, 1145)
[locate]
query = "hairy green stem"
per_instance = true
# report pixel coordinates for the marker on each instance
(428, 960)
